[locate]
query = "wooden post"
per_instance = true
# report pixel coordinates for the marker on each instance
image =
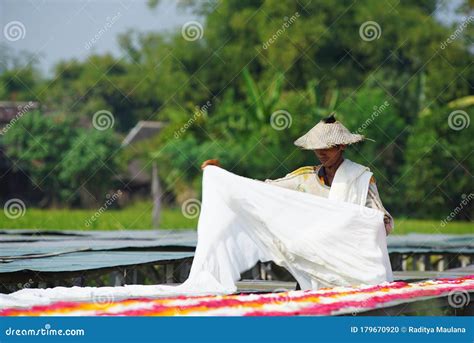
(396, 261)
(420, 262)
(404, 262)
(263, 271)
(464, 260)
(131, 275)
(183, 270)
(441, 265)
(79, 281)
(116, 278)
(156, 194)
(169, 272)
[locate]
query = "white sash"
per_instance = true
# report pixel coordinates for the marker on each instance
(351, 183)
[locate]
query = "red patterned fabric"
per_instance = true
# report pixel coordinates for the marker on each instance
(328, 301)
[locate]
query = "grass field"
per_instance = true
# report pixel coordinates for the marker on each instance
(138, 216)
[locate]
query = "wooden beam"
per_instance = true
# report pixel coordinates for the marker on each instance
(156, 194)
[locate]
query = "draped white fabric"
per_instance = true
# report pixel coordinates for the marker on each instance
(351, 183)
(322, 242)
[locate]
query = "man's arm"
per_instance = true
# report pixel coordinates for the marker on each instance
(294, 179)
(285, 182)
(288, 181)
(374, 201)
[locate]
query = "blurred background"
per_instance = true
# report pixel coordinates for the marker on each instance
(108, 108)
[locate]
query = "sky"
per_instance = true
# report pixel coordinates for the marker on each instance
(57, 30)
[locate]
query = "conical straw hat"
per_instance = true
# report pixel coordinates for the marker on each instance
(326, 134)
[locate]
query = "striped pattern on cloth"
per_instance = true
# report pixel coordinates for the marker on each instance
(326, 301)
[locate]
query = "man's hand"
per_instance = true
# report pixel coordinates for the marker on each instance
(206, 163)
(386, 221)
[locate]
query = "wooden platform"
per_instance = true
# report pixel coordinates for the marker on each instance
(25, 242)
(90, 260)
(430, 241)
(40, 258)
(22, 242)
(252, 286)
(45, 258)
(44, 242)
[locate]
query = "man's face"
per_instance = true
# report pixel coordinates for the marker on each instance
(329, 157)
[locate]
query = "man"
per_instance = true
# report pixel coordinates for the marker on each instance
(336, 177)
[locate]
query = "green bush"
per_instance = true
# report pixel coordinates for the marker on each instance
(63, 160)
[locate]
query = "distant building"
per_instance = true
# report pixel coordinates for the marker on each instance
(137, 174)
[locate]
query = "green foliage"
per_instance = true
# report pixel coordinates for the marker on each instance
(62, 159)
(91, 163)
(99, 83)
(373, 113)
(438, 164)
(38, 144)
(136, 216)
(19, 76)
(257, 58)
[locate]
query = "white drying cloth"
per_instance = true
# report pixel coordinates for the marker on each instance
(351, 183)
(322, 242)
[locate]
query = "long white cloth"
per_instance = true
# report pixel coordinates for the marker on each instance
(351, 183)
(322, 242)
